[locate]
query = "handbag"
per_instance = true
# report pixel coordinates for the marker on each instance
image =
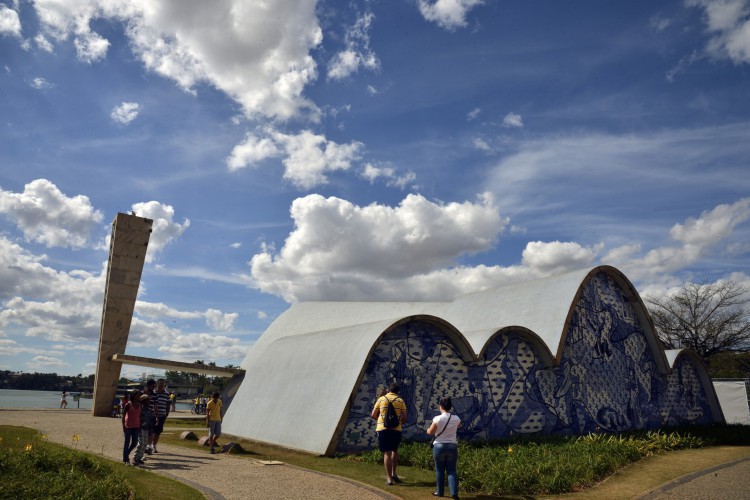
(432, 443)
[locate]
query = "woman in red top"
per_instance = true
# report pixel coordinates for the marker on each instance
(131, 425)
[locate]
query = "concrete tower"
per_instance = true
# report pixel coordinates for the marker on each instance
(127, 253)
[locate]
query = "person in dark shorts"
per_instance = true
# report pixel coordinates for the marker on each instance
(390, 439)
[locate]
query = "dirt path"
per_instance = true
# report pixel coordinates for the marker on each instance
(218, 476)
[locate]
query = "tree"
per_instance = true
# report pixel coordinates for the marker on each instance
(708, 318)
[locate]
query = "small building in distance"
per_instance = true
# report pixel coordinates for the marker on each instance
(569, 354)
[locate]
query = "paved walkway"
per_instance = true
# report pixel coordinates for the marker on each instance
(723, 482)
(217, 476)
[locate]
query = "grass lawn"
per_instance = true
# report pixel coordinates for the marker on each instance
(594, 466)
(41, 469)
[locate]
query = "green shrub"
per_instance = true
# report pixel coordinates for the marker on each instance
(42, 470)
(555, 465)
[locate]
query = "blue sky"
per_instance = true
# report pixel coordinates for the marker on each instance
(413, 150)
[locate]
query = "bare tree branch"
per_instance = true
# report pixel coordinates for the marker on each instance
(708, 318)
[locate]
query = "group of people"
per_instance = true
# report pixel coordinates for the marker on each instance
(117, 404)
(143, 417)
(201, 402)
(144, 414)
(444, 428)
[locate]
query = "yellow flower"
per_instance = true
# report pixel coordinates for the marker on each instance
(28, 447)
(76, 437)
(510, 450)
(44, 437)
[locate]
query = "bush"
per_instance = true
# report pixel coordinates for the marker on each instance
(555, 465)
(42, 470)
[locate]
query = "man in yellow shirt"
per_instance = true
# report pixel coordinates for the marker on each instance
(390, 438)
(213, 419)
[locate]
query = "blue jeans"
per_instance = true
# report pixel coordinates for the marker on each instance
(446, 457)
(140, 450)
(131, 439)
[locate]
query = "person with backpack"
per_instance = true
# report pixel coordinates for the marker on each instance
(390, 412)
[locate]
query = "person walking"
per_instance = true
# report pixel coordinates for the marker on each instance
(131, 425)
(213, 419)
(147, 423)
(445, 447)
(162, 406)
(64, 400)
(389, 435)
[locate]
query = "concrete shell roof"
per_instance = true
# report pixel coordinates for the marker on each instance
(305, 367)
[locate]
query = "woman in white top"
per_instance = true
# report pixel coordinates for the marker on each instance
(445, 451)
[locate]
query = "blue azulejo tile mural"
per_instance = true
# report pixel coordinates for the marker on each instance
(607, 379)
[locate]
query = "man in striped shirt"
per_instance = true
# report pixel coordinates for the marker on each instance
(162, 406)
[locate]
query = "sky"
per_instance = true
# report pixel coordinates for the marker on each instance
(376, 150)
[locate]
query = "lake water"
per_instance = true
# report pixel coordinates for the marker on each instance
(11, 398)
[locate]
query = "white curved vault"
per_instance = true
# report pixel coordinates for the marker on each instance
(565, 354)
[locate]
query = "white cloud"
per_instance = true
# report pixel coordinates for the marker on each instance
(556, 257)
(46, 363)
(47, 216)
(235, 46)
(47, 303)
(308, 156)
(667, 164)
(372, 173)
(10, 347)
(338, 249)
(10, 24)
(66, 309)
(40, 83)
(659, 23)
(218, 320)
(473, 114)
(357, 52)
(481, 144)
(214, 318)
(202, 345)
(43, 43)
(126, 112)
(251, 151)
(238, 48)
(236, 245)
(712, 226)
(728, 21)
(164, 229)
(449, 14)
(695, 238)
(91, 47)
(513, 120)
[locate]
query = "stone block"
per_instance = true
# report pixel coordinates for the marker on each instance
(231, 448)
